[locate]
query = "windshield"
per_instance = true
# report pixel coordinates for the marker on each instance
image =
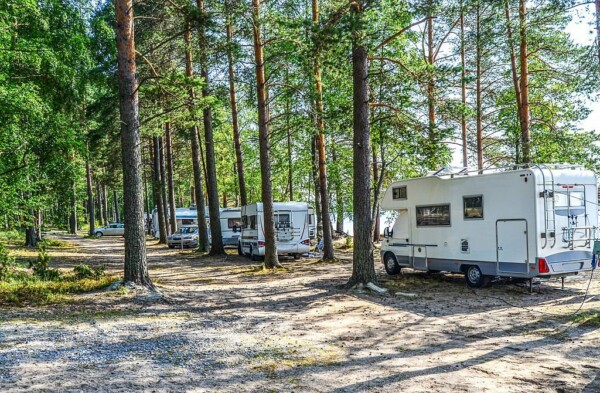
(188, 230)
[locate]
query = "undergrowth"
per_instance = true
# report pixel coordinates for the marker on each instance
(591, 318)
(42, 285)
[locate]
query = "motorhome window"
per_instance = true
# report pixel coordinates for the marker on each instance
(245, 222)
(233, 222)
(574, 199)
(282, 220)
(399, 192)
(252, 222)
(473, 207)
(433, 215)
(187, 221)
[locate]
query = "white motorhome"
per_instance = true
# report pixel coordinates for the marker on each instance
(230, 222)
(231, 225)
(531, 222)
(294, 225)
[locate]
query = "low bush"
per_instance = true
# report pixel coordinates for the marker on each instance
(7, 263)
(41, 266)
(26, 289)
(85, 271)
(12, 237)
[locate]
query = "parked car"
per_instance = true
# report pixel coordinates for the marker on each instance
(186, 236)
(114, 229)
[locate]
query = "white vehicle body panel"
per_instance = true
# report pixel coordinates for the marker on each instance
(547, 212)
(293, 223)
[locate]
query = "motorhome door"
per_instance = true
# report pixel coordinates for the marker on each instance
(283, 226)
(511, 245)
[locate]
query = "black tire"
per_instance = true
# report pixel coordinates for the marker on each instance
(296, 256)
(171, 246)
(99, 234)
(391, 264)
(474, 277)
(240, 251)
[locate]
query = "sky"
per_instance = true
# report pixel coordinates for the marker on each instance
(582, 32)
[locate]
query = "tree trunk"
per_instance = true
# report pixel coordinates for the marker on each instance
(289, 157)
(116, 204)
(157, 192)
(479, 114)
(234, 115)
(163, 185)
(271, 259)
(513, 63)
(339, 198)
(317, 186)
(99, 203)
(375, 207)
(73, 216)
(216, 246)
(170, 181)
(524, 84)
(90, 198)
(136, 269)
(31, 239)
(198, 188)
(363, 268)
(105, 203)
(431, 127)
(463, 90)
(322, 159)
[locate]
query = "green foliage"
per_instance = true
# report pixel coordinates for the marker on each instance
(41, 266)
(7, 263)
(30, 290)
(591, 318)
(85, 271)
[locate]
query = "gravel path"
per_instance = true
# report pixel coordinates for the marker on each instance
(224, 326)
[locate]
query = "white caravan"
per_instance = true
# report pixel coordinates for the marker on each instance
(294, 224)
(231, 225)
(532, 222)
(230, 222)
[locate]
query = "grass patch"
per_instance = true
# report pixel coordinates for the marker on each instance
(56, 243)
(591, 318)
(276, 359)
(24, 289)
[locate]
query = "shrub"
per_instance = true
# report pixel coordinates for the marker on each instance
(41, 266)
(7, 263)
(85, 271)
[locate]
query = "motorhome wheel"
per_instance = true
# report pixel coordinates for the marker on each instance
(240, 251)
(391, 265)
(475, 278)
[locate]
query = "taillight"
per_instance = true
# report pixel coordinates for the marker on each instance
(306, 242)
(544, 268)
(261, 244)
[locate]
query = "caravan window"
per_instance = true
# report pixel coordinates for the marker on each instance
(399, 192)
(282, 220)
(244, 222)
(473, 207)
(252, 222)
(433, 215)
(233, 222)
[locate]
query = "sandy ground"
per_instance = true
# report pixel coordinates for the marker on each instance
(224, 326)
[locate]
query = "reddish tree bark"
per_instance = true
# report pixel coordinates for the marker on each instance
(271, 259)
(136, 269)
